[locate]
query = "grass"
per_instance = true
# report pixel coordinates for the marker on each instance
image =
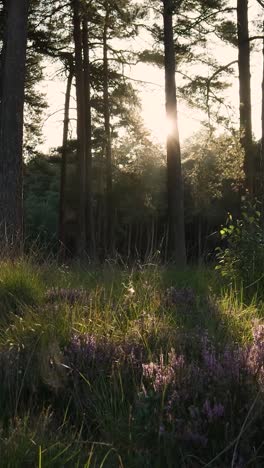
(20, 286)
(89, 378)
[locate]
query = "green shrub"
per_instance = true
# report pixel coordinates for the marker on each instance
(241, 260)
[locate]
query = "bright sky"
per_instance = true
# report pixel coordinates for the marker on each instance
(152, 95)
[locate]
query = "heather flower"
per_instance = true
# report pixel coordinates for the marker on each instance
(224, 366)
(234, 362)
(149, 370)
(210, 359)
(92, 356)
(159, 375)
(71, 295)
(213, 411)
(162, 375)
(256, 352)
(176, 362)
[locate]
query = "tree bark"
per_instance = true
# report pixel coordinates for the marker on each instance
(3, 20)
(108, 145)
(81, 139)
(88, 141)
(262, 135)
(11, 129)
(174, 177)
(245, 92)
(64, 161)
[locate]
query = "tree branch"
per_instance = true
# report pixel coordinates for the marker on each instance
(261, 3)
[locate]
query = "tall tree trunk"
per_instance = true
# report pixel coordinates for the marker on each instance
(11, 129)
(3, 22)
(262, 137)
(108, 146)
(175, 185)
(200, 252)
(88, 142)
(245, 92)
(64, 161)
(81, 140)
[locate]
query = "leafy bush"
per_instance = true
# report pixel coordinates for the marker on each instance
(242, 260)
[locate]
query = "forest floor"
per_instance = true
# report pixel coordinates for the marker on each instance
(128, 367)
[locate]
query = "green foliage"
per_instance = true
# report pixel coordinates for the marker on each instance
(213, 170)
(41, 200)
(228, 32)
(242, 258)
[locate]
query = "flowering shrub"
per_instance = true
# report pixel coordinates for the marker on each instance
(93, 356)
(71, 296)
(255, 357)
(176, 404)
(201, 406)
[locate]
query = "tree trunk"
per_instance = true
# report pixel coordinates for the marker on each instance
(175, 185)
(129, 241)
(245, 92)
(81, 140)
(262, 137)
(3, 20)
(64, 162)
(88, 135)
(11, 131)
(200, 252)
(108, 146)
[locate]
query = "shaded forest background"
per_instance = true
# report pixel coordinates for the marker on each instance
(110, 190)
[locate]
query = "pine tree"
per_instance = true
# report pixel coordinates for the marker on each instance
(11, 122)
(64, 154)
(175, 185)
(245, 91)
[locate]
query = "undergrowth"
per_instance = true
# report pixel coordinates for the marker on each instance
(116, 367)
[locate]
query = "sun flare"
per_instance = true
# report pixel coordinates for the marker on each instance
(169, 127)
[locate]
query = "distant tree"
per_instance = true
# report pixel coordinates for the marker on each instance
(64, 154)
(237, 34)
(245, 91)
(11, 121)
(260, 191)
(81, 125)
(90, 235)
(213, 177)
(259, 170)
(107, 125)
(117, 20)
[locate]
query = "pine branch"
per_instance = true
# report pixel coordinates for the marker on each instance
(261, 3)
